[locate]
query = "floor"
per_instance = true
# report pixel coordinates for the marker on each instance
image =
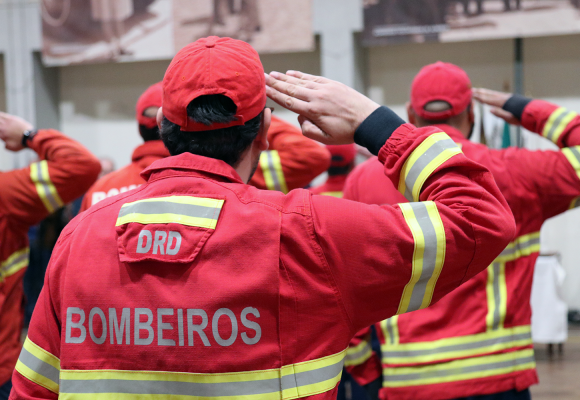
(559, 374)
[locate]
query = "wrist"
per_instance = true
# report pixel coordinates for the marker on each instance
(27, 136)
(516, 105)
(377, 128)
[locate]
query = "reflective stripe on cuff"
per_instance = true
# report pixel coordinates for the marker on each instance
(428, 256)
(44, 186)
(557, 123)
(423, 161)
(272, 169)
(39, 366)
(289, 382)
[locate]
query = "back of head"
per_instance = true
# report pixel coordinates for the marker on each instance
(146, 112)
(342, 160)
(440, 94)
(213, 98)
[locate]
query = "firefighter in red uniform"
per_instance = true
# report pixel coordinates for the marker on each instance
(342, 162)
(65, 171)
(477, 340)
(143, 156)
(197, 285)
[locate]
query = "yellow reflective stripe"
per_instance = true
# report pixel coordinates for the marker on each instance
(357, 355)
(333, 194)
(184, 210)
(423, 161)
(524, 245)
(14, 263)
(39, 366)
(557, 123)
(288, 382)
(44, 187)
(390, 328)
(456, 347)
(272, 168)
(573, 156)
(457, 370)
(496, 291)
(575, 203)
(428, 255)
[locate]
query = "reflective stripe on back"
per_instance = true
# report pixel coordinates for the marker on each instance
(184, 210)
(426, 226)
(557, 123)
(14, 263)
(272, 168)
(39, 366)
(423, 161)
(289, 382)
(496, 296)
(44, 187)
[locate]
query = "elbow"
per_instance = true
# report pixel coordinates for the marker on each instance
(87, 172)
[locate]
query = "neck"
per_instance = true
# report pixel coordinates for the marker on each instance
(248, 163)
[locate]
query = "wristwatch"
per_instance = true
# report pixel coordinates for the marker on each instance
(27, 136)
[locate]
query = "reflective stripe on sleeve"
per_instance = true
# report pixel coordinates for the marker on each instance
(357, 355)
(272, 168)
(390, 328)
(14, 263)
(470, 368)
(496, 296)
(39, 366)
(557, 123)
(457, 347)
(184, 210)
(524, 245)
(333, 194)
(44, 186)
(575, 203)
(428, 256)
(289, 382)
(423, 161)
(573, 156)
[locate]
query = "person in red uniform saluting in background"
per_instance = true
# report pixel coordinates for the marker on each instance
(342, 162)
(476, 342)
(197, 284)
(65, 170)
(153, 149)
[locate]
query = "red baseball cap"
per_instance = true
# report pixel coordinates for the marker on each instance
(214, 65)
(441, 82)
(152, 97)
(342, 155)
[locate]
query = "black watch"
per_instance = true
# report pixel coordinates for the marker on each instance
(27, 136)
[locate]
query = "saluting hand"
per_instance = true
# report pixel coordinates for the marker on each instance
(496, 100)
(329, 111)
(11, 130)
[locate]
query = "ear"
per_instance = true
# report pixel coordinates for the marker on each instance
(262, 139)
(411, 113)
(471, 114)
(159, 117)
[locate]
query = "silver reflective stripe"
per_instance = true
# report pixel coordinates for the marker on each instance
(202, 389)
(556, 124)
(17, 260)
(459, 370)
(458, 347)
(390, 329)
(45, 185)
(39, 366)
(355, 356)
(423, 161)
(575, 203)
(496, 295)
(519, 246)
(429, 255)
(273, 172)
(168, 207)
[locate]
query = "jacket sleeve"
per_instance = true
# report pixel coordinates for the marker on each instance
(292, 160)
(361, 361)
(38, 369)
(387, 260)
(65, 170)
(551, 177)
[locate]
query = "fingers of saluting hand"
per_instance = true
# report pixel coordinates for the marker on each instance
(288, 95)
(310, 130)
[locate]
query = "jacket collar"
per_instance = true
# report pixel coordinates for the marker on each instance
(154, 148)
(191, 165)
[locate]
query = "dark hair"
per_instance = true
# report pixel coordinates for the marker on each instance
(149, 133)
(227, 144)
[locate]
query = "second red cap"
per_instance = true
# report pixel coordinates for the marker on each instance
(440, 82)
(152, 97)
(209, 66)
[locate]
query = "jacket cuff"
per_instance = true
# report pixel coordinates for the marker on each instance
(377, 129)
(516, 105)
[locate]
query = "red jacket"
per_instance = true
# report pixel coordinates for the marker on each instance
(292, 161)
(332, 187)
(65, 170)
(197, 283)
(477, 340)
(126, 178)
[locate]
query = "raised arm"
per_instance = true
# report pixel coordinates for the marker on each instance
(65, 171)
(291, 162)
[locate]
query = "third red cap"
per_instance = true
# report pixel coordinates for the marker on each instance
(209, 66)
(440, 82)
(152, 97)
(342, 155)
